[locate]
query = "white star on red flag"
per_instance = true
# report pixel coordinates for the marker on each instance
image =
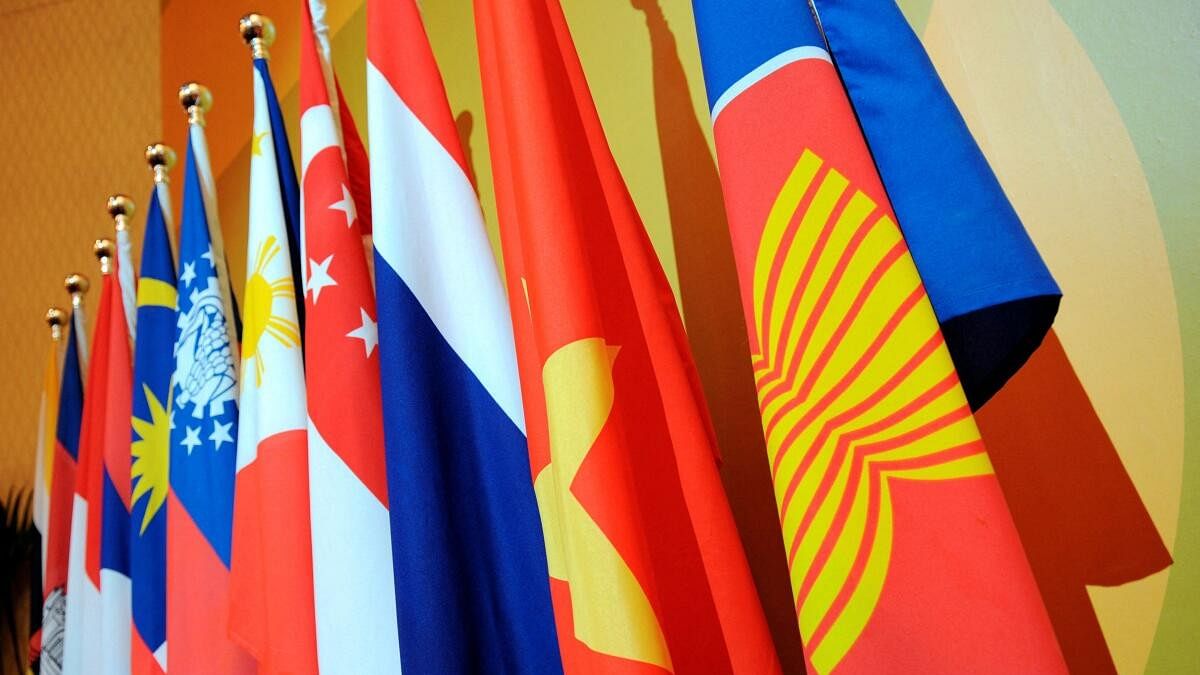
(368, 332)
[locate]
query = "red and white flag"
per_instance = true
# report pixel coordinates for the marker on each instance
(352, 557)
(271, 605)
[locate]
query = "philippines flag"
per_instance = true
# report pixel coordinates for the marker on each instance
(93, 643)
(354, 590)
(271, 605)
(285, 172)
(467, 542)
(203, 440)
(152, 369)
(58, 519)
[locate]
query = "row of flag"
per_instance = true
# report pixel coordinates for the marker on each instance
(408, 461)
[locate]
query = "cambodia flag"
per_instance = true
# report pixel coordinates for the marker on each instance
(152, 370)
(897, 533)
(203, 441)
(97, 631)
(470, 565)
(353, 584)
(62, 491)
(646, 568)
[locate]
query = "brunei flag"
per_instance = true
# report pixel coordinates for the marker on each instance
(203, 439)
(152, 369)
(57, 535)
(902, 552)
(647, 573)
(470, 566)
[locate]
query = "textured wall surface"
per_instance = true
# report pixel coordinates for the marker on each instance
(81, 100)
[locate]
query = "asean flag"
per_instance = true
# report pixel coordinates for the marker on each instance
(271, 583)
(646, 568)
(902, 552)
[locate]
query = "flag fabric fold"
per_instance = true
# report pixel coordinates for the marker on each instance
(150, 450)
(353, 585)
(895, 526)
(203, 418)
(60, 505)
(469, 560)
(991, 291)
(647, 571)
(271, 582)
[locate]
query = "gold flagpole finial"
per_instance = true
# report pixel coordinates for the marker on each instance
(55, 318)
(77, 285)
(196, 99)
(258, 32)
(120, 208)
(161, 159)
(104, 249)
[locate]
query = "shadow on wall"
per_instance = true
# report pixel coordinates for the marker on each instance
(712, 311)
(1079, 516)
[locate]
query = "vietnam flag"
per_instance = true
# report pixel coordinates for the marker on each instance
(902, 552)
(647, 571)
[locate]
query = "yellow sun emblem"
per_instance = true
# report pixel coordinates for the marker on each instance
(151, 456)
(260, 300)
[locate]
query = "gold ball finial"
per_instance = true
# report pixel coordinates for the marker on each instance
(76, 284)
(258, 32)
(55, 318)
(196, 99)
(120, 208)
(104, 249)
(161, 159)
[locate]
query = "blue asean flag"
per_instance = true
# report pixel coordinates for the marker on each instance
(289, 187)
(992, 293)
(152, 369)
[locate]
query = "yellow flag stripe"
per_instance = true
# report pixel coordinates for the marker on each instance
(155, 293)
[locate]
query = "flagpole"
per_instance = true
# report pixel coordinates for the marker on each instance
(121, 208)
(104, 249)
(196, 99)
(161, 158)
(77, 286)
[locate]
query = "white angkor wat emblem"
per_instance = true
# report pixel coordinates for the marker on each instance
(204, 368)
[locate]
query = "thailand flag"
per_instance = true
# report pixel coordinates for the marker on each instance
(271, 606)
(62, 491)
(467, 542)
(153, 366)
(352, 566)
(97, 625)
(203, 440)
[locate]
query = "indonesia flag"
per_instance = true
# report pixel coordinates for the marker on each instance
(62, 490)
(271, 606)
(92, 643)
(352, 565)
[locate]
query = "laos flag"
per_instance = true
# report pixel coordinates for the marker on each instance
(203, 442)
(897, 534)
(152, 369)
